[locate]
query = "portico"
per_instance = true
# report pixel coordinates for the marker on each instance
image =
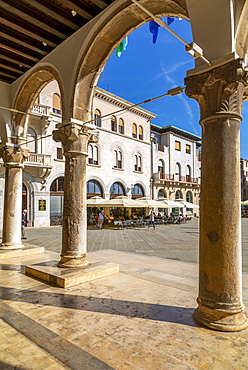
(219, 88)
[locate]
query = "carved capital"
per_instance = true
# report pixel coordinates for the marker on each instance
(75, 138)
(13, 155)
(219, 91)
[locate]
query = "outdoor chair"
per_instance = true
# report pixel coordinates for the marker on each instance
(126, 223)
(118, 223)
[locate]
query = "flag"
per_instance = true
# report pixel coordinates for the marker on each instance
(120, 48)
(153, 26)
(170, 20)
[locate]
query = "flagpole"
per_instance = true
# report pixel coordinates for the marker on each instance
(193, 49)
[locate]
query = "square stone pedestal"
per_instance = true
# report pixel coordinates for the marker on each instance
(26, 251)
(65, 277)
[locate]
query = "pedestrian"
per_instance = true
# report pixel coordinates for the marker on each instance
(24, 223)
(101, 219)
(152, 220)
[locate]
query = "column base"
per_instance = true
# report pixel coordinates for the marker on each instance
(73, 262)
(11, 246)
(220, 319)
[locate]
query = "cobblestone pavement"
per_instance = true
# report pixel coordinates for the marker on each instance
(177, 242)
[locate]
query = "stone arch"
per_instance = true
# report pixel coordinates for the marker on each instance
(122, 182)
(120, 20)
(34, 82)
(3, 128)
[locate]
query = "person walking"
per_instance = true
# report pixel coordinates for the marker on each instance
(24, 223)
(152, 220)
(101, 219)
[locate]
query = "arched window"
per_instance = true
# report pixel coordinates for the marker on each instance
(137, 191)
(189, 197)
(98, 118)
(32, 140)
(161, 194)
(56, 104)
(93, 189)
(121, 126)
(93, 154)
(188, 173)
(113, 123)
(117, 158)
(137, 164)
(140, 132)
(161, 170)
(134, 130)
(116, 190)
(178, 194)
(178, 172)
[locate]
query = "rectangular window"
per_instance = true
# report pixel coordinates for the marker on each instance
(177, 145)
(188, 148)
(59, 153)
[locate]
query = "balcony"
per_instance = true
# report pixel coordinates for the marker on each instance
(192, 180)
(41, 110)
(165, 176)
(38, 159)
(161, 148)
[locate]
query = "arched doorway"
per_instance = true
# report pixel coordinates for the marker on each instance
(56, 201)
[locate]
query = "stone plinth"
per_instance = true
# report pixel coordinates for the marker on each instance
(26, 251)
(50, 272)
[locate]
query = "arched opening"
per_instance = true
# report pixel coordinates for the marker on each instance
(117, 189)
(189, 197)
(118, 159)
(161, 169)
(188, 173)
(24, 197)
(93, 154)
(134, 130)
(113, 124)
(178, 172)
(56, 201)
(137, 191)
(137, 163)
(162, 194)
(140, 133)
(178, 195)
(93, 189)
(32, 140)
(56, 108)
(98, 118)
(121, 126)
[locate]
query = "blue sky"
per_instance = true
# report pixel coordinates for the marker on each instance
(146, 70)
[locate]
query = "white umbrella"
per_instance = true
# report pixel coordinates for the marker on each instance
(151, 203)
(172, 203)
(190, 205)
(121, 201)
(94, 201)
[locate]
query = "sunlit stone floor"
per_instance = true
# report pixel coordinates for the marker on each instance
(140, 318)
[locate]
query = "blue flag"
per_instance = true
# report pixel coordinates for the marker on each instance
(153, 26)
(170, 20)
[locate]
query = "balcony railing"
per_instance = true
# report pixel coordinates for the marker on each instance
(40, 109)
(191, 179)
(161, 148)
(39, 159)
(165, 176)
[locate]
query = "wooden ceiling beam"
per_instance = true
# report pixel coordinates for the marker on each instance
(101, 4)
(69, 4)
(51, 13)
(36, 22)
(2, 73)
(27, 32)
(5, 66)
(18, 52)
(22, 43)
(16, 62)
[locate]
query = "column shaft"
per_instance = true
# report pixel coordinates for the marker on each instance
(220, 95)
(12, 215)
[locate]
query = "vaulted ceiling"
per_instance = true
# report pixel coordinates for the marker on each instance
(31, 29)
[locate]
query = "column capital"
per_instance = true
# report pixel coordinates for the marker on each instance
(75, 138)
(13, 155)
(220, 91)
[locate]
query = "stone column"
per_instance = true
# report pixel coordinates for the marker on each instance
(13, 156)
(220, 95)
(75, 139)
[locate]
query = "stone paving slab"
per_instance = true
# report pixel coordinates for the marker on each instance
(122, 321)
